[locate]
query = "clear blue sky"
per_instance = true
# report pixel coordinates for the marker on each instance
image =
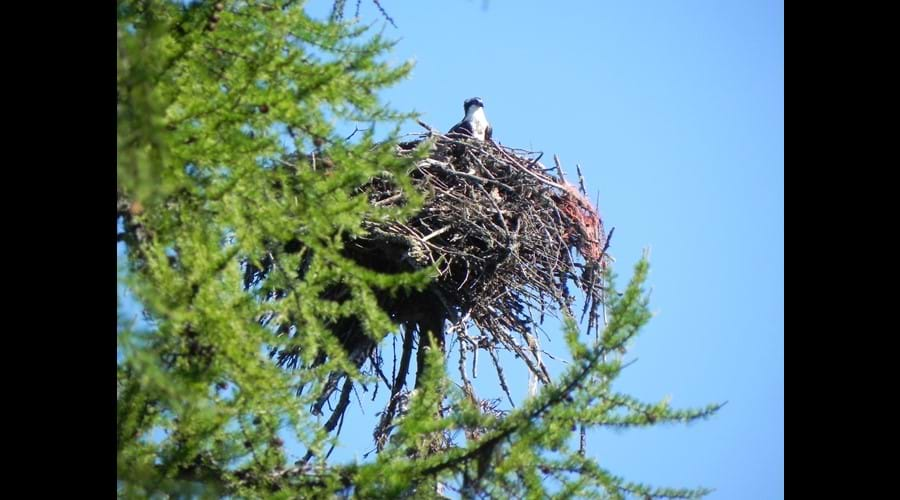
(675, 111)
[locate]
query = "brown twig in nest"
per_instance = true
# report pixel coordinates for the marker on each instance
(506, 239)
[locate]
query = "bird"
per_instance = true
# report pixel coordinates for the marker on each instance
(475, 123)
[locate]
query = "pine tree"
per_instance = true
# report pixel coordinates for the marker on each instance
(237, 198)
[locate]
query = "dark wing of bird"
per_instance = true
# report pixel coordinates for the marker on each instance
(488, 132)
(462, 128)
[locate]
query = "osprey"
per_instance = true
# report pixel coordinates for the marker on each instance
(475, 123)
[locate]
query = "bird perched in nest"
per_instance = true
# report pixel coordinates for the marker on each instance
(475, 123)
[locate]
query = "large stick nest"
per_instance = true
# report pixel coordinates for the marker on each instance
(507, 236)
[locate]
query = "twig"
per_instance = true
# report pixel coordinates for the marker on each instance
(559, 169)
(580, 179)
(499, 369)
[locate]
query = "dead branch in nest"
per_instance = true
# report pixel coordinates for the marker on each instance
(507, 240)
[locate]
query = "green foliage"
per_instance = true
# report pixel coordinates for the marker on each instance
(204, 93)
(528, 453)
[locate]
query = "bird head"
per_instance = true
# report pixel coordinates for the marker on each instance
(472, 103)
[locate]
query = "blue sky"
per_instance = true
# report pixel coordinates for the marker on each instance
(675, 112)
